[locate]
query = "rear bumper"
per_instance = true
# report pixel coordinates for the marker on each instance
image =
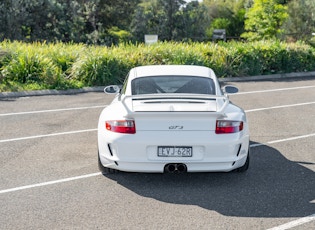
(158, 167)
(138, 153)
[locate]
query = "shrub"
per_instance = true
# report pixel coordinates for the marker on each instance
(61, 66)
(98, 66)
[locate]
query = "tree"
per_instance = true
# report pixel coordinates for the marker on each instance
(170, 20)
(88, 21)
(107, 21)
(12, 16)
(301, 21)
(146, 20)
(53, 20)
(226, 14)
(194, 22)
(264, 20)
(116, 13)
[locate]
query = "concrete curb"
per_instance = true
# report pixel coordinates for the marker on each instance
(101, 88)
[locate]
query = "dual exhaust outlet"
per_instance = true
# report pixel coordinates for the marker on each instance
(175, 168)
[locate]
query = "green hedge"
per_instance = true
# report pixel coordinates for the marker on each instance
(60, 66)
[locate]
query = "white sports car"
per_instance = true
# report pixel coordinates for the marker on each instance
(172, 118)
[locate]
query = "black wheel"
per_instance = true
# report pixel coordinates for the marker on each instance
(245, 166)
(103, 169)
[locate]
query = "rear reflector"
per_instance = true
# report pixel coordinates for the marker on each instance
(121, 126)
(224, 126)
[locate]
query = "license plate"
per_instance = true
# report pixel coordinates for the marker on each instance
(174, 151)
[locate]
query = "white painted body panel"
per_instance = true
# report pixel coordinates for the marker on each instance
(138, 153)
(172, 124)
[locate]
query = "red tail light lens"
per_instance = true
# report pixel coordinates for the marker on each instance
(224, 127)
(121, 126)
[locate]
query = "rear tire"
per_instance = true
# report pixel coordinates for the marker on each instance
(245, 167)
(103, 169)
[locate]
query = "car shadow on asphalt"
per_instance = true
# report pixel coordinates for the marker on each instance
(272, 187)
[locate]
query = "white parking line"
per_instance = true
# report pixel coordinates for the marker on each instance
(286, 226)
(89, 130)
(275, 90)
(283, 140)
(49, 183)
(279, 107)
(52, 110)
(295, 223)
(97, 174)
(47, 135)
(102, 106)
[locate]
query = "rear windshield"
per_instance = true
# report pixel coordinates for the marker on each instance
(173, 84)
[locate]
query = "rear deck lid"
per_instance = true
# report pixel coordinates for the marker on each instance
(174, 112)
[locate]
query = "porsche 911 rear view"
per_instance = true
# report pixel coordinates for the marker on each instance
(172, 118)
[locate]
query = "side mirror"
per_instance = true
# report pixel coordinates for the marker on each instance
(230, 89)
(112, 89)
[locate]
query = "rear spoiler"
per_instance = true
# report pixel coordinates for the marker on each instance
(175, 98)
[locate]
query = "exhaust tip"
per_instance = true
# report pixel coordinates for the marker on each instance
(175, 168)
(181, 168)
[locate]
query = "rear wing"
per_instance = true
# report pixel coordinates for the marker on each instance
(147, 103)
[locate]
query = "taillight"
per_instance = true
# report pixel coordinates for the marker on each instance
(121, 126)
(223, 126)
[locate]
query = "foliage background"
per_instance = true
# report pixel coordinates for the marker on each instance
(108, 22)
(34, 66)
(64, 44)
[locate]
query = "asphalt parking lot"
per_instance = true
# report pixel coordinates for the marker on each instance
(50, 180)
